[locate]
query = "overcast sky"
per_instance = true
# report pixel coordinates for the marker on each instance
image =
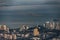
(28, 11)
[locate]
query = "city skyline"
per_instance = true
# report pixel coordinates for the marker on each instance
(29, 19)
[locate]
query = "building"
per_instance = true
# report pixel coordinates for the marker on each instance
(10, 37)
(36, 32)
(3, 27)
(47, 24)
(14, 37)
(58, 25)
(35, 38)
(27, 35)
(24, 27)
(52, 25)
(5, 36)
(56, 39)
(0, 27)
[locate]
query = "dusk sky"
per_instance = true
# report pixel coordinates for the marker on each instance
(13, 12)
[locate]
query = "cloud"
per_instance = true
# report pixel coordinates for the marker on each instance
(26, 2)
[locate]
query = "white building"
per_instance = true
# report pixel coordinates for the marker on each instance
(56, 39)
(52, 25)
(58, 25)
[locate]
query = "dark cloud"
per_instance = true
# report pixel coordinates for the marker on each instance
(27, 2)
(14, 12)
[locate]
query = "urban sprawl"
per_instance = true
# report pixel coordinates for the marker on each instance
(50, 30)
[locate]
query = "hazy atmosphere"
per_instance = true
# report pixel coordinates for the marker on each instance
(15, 12)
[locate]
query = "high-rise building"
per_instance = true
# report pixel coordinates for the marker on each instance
(5, 36)
(0, 27)
(58, 25)
(36, 32)
(50, 25)
(10, 37)
(55, 24)
(47, 24)
(7, 29)
(56, 39)
(14, 36)
(3, 27)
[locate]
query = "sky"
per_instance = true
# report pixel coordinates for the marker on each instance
(16, 12)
